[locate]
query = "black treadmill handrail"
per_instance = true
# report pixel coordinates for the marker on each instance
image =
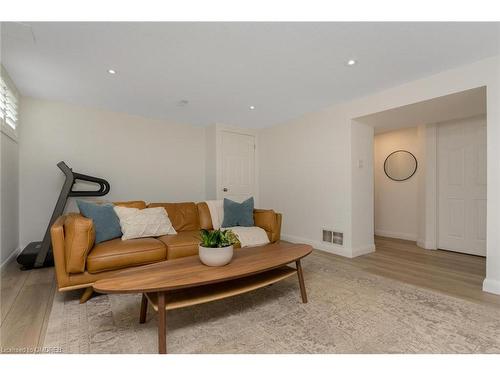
(67, 191)
(73, 176)
(103, 186)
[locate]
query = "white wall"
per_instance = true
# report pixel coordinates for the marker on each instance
(9, 184)
(211, 162)
(308, 170)
(141, 158)
(396, 202)
(9, 197)
(361, 164)
(304, 173)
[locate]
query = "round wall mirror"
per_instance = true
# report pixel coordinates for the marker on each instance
(400, 165)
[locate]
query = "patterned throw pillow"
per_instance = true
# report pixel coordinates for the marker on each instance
(149, 222)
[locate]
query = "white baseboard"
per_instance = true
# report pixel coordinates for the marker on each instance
(12, 256)
(362, 250)
(428, 245)
(390, 234)
(491, 286)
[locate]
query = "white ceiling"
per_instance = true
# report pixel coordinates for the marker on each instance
(445, 108)
(284, 69)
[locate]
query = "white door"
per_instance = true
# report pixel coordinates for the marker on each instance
(238, 166)
(462, 186)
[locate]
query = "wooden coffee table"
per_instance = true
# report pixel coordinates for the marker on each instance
(186, 281)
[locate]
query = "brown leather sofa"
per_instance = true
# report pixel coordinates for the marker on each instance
(79, 263)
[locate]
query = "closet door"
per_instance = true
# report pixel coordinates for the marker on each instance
(461, 176)
(238, 166)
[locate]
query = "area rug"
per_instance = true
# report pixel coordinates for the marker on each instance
(349, 311)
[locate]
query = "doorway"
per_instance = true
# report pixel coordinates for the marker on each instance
(442, 205)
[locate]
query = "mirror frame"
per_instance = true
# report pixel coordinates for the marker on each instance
(404, 179)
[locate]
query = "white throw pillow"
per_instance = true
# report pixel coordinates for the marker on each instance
(149, 222)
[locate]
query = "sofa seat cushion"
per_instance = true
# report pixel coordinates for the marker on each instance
(182, 244)
(116, 254)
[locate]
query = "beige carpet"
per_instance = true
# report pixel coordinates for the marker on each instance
(349, 311)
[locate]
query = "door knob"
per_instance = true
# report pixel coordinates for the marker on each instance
(224, 190)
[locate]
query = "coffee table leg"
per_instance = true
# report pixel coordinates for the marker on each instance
(301, 281)
(144, 309)
(162, 324)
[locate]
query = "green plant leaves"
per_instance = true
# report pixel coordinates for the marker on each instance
(217, 238)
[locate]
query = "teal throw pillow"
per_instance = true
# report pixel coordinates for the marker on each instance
(106, 223)
(238, 214)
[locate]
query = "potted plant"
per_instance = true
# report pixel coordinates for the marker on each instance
(216, 247)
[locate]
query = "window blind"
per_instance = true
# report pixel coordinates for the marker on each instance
(8, 105)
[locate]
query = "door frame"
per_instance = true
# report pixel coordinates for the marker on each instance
(220, 129)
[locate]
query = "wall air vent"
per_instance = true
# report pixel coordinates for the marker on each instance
(327, 235)
(330, 236)
(338, 238)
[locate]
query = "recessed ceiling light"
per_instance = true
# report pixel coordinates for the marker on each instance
(252, 107)
(111, 71)
(351, 62)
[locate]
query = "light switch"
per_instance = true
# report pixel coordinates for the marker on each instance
(360, 163)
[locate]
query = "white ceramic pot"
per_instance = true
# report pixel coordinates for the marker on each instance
(215, 256)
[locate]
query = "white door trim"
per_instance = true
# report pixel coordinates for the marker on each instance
(427, 211)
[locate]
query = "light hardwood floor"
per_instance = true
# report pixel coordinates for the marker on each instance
(25, 303)
(26, 296)
(455, 274)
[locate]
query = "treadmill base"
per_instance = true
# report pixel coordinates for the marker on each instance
(28, 256)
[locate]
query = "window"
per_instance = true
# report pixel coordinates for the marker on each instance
(8, 106)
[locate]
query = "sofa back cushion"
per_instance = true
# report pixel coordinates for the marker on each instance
(184, 216)
(205, 218)
(79, 236)
(132, 204)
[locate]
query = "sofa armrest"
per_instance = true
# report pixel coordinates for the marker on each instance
(57, 238)
(279, 217)
(79, 237)
(270, 221)
(72, 238)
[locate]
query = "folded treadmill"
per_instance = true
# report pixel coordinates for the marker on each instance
(39, 254)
